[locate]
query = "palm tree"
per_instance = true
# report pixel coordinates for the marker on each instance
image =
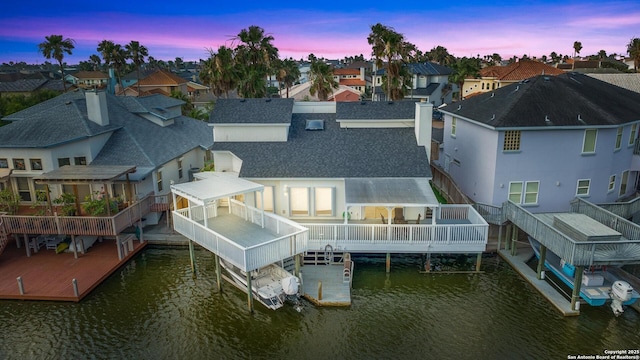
(462, 69)
(54, 47)
(287, 73)
(136, 53)
(95, 61)
(255, 56)
(322, 81)
(577, 46)
(187, 107)
(220, 72)
(633, 49)
(387, 44)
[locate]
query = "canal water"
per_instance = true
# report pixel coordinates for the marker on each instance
(154, 309)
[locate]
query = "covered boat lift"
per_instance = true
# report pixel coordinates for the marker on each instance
(244, 236)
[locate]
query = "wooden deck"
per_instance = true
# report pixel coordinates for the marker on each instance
(48, 276)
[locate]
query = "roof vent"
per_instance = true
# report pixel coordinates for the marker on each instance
(580, 119)
(268, 100)
(493, 94)
(314, 125)
(243, 100)
(493, 117)
(459, 107)
(363, 102)
(390, 102)
(517, 87)
(546, 119)
(546, 78)
(68, 102)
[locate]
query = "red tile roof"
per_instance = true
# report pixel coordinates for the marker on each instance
(352, 82)
(523, 69)
(345, 71)
(91, 75)
(162, 78)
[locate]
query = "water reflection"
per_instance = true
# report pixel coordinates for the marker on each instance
(154, 309)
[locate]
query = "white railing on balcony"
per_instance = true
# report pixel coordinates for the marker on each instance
(465, 231)
(623, 209)
(291, 238)
(579, 253)
(492, 214)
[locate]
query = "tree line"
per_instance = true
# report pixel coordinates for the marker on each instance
(249, 64)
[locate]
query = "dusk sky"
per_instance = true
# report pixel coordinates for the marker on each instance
(171, 29)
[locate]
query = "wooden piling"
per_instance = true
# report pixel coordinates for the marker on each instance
(478, 261)
(249, 292)
(20, 285)
(543, 256)
(192, 256)
(218, 272)
(388, 263)
(575, 294)
(319, 290)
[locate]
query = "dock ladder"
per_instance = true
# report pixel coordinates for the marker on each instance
(348, 268)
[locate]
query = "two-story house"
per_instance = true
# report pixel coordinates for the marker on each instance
(351, 77)
(544, 141)
(92, 128)
(430, 83)
(495, 77)
(88, 79)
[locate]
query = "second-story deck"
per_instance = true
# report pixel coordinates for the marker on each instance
(625, 250)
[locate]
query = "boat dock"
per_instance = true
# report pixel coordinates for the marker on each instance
(46, 275)
(519, 263)
(324, 285)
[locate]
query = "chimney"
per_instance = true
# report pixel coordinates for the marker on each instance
(97, 107)
(423, 123)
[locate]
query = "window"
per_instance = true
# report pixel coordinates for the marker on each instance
(515, 191)
(4, 164)
(531, 192)
(619, 138)
(633, 135)
(324, 201)
(583, 187)
(80, 160)
(453, 126)
(159, 175)
(589, 143)
(23, 188)
(623, 183)
(179, 168)
(267, 195)
(36, 164)
(299, 201)
(612, 183)
(18, 164)
(530, 195)
(511, 140)
(63, 161)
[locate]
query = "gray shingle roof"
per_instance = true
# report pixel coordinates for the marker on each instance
(23, 85)
(252, 111)
(379, 110)
(333, 153)
(134, 141)
(425, 68)
(570, 99)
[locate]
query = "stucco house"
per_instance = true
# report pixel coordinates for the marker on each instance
(495, 77)
(88, 79)
(351, 77)
(92, 128)
(544, 141)
(430, 83)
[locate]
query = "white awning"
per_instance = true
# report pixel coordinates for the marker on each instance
(389, 192)
(213, 186)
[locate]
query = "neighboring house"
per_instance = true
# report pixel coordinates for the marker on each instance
(430, 83)
(88, 79)
(27, 87)
(351, 77)
(495, 77)
(158, 82)
(345, 94)
(628, 81)
(132, 77)
(87, 128)
(543, 142)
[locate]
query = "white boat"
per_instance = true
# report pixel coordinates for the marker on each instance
(598, 286)
(271, 285)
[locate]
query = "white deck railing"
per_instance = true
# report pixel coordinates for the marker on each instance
(292, 237)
